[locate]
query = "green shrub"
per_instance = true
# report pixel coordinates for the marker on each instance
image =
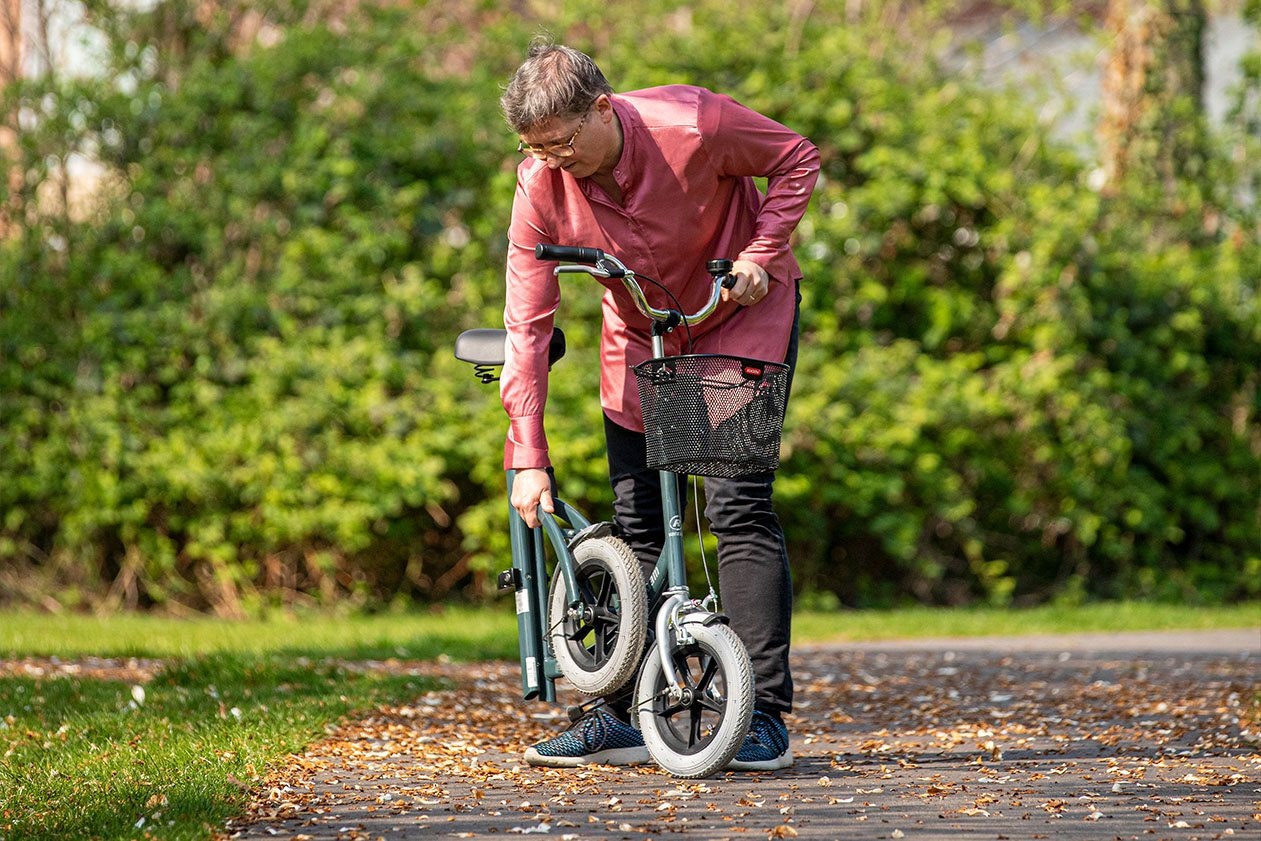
(230, 384)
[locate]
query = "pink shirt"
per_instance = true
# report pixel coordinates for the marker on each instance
(686, 173)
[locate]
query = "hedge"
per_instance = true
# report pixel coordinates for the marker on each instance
(229, 383)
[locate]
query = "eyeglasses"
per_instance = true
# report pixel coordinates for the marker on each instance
(554, 150)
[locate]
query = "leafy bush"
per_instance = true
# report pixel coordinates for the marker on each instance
(231, 383)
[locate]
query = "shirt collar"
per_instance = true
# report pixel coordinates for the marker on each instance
(631, 122)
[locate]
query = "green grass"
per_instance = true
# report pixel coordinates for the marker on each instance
(461, 634)
(909, 623)
(472, 634)
(81, 758)
(85, 758)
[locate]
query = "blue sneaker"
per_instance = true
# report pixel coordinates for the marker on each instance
(596, 737)
(766, 746)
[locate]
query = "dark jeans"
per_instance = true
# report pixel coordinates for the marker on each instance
(754, 579)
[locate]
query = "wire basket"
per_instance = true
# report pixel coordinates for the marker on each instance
(713, 414)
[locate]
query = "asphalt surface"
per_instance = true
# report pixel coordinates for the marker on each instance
(1092, 736)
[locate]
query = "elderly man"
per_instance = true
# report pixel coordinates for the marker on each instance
(663, 178)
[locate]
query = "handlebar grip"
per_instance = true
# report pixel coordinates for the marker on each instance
(568, 253)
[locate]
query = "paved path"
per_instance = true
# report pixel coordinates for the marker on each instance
(1131, 736)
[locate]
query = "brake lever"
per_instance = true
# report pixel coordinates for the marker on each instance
(575, 269)
(595, 271)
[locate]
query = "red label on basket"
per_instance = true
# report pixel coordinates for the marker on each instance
(753, 372)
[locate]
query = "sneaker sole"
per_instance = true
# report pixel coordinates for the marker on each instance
(779, 763)
(618, 756)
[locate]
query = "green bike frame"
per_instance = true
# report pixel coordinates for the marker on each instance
(529, 577)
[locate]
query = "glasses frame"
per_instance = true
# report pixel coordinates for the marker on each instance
(554, 150)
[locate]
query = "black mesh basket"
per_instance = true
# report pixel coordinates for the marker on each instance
(712, 414)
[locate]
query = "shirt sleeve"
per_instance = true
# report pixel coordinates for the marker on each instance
(742, 142)
(531, 297)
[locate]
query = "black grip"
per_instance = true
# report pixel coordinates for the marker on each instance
(568, 253)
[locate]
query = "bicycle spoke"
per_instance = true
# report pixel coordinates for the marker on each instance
(608, 590)
(580, 632)
(605, 640)
(708, 672)
(697, 728)
(712, 704)
(589, 587)
(582, 629)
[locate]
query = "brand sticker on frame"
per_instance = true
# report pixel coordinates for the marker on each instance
(523, 601)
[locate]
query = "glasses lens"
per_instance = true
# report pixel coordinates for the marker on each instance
(544, 154)
(560, 150)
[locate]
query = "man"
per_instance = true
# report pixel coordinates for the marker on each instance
(663, 179)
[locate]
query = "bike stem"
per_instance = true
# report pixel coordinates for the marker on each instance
(676, 592)
(671, 507)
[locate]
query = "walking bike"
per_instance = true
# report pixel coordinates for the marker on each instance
(593, 619)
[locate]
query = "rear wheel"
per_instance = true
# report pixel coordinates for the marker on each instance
(697, 734)
(599, 640)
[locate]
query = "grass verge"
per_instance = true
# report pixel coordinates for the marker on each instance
(910, 623)
(461, 634)
(174, 758)
(491, 633)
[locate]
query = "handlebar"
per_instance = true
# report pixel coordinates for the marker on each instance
(597, 263)
(568, 253)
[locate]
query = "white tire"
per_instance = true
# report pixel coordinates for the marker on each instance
(697, 736)
(598, 646)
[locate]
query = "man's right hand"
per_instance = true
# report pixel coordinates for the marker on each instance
(532, 488)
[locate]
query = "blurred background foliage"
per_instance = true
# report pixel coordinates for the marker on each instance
(226, 379)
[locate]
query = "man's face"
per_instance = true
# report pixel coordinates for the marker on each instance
(562, 144)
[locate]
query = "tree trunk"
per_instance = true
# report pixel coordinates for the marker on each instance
(10, 71)
(10, 41)
(1152, 126)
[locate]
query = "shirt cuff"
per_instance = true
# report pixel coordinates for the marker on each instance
(526, 445)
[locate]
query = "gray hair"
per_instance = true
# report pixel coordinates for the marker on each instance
(554, 81)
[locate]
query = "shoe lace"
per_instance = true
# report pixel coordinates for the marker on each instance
(579, 713)
(588, 724)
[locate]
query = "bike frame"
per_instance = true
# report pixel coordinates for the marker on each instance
(539, 668)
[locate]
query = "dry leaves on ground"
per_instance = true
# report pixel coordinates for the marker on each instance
(917, 740)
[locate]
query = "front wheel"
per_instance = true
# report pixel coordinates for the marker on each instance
(697, 734)
(598, 641)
